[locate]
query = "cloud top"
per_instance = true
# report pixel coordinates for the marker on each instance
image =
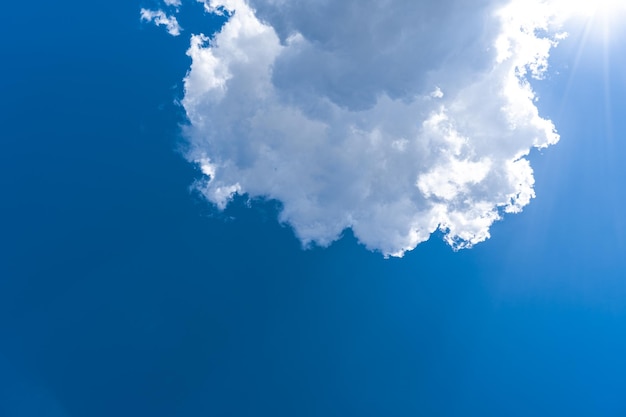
(391, 118)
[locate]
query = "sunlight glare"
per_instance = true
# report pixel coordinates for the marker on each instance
(589, 8)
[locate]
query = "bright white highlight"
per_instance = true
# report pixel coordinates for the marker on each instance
(392, 119)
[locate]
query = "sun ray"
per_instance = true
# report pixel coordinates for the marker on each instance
(597, 18)
(581, 45)
(606, 78)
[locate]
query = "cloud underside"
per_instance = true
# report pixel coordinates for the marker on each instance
(391, 118)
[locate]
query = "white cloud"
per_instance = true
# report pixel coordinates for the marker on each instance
(173, 3)
(161, 19)
(392, 118)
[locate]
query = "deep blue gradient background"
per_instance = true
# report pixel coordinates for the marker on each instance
(121, 293)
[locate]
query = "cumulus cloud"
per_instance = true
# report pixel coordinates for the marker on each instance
(174, 3)
(391, 118)
(161, 19)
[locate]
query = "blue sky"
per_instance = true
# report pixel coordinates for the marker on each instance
(123, 293)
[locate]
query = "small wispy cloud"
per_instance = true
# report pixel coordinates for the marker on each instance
(173, 3)
(161, 19)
